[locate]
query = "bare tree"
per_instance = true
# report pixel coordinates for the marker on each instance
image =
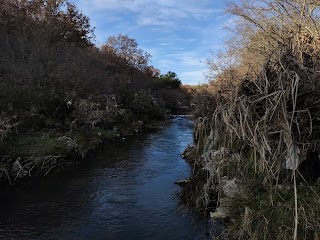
(128, 49)
(59, 19)
(261, 27)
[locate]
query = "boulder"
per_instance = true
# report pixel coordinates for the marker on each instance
(17, 170)
(230, 188)
(183, 182)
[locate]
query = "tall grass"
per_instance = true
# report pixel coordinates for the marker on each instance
(259, 143)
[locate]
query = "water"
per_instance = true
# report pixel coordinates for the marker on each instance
(126, 191)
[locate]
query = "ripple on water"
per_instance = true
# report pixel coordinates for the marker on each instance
(127, 192)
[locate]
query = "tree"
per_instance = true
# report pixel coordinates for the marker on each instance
(266, 24)
(168, 80)
(75, 27)
(128, 49)
(261, 27)
(58, 19)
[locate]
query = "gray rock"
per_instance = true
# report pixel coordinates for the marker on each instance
(183, 182)
(230, 188)
(17, 170)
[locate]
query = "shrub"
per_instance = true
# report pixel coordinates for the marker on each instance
(168, 80)
(144, 105)
(6, 125)
(91, 114)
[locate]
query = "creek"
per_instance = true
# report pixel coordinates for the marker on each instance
(125, 191)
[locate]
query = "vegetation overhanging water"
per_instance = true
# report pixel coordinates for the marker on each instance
(126, 191)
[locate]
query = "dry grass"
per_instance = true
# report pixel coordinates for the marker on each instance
(89, 113)
(273, 123)
(6, 125)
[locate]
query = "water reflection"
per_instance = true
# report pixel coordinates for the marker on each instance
(126, 192)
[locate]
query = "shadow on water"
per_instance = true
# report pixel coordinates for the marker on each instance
(126, 192)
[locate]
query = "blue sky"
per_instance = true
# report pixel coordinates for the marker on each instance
(179, 34)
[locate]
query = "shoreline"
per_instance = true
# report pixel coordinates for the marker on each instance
(18, 170)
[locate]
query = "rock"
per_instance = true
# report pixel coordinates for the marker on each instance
(230, 188)
(294, 157)
(17, 170)
(222, 211)
(213, 158)
(183, 182)
(70, 143)
(6, 159)
(189, 153)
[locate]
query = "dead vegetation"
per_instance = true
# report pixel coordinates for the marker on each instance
(259, 145)
(7, 124)
(60, 95)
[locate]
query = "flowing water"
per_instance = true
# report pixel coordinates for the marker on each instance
(126, 191)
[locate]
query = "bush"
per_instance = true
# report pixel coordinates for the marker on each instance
(90, 114)
(168, 80)
(6, 125)
(61, 93)
(143, 105)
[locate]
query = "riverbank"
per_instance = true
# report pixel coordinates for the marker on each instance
(37, 154)
(257, 149)
(61, 96)
(257, 125)
(124, 189)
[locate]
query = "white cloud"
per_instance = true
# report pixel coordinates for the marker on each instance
(167, 64)
(165, 44)
(178, 33)
(153, 21)
(194, 74)
(155, 12)
(111, 4)
(187, 65)
(193, 77)
(188, 59)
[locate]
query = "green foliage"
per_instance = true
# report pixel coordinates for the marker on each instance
(41, 144)
(105, 134)
(36, 145)
(86, 141)
(172, 98)
(268, 214)
(168, 80)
